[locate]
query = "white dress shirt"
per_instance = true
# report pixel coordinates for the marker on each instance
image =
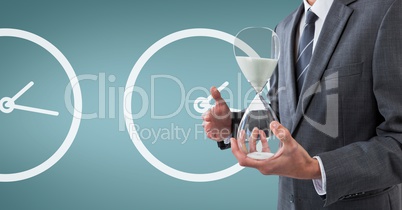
(321, 9)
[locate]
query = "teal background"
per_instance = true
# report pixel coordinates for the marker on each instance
(103, 40)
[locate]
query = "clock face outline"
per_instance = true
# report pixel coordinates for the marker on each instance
(77, 114)
(127, 103)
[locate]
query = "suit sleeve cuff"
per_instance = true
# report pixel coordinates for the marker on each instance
(320, 185)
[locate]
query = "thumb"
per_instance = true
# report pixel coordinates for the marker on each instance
(281, 132)
(216, 95)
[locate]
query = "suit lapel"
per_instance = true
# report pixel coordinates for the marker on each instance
(289, 57)
(331, 32)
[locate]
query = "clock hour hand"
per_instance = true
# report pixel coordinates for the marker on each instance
(22, 91)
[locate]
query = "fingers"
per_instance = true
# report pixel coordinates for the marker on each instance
(241, 142)
(219, 101)
(216, 94)
(242, 157)
(264, 142)
(285, 138)
(253, 140)
(211, 132)
(237, 151)
(215, 133)
(206, 116)
(217, 120)
(207, 124)
(280, 132)
(220, 111)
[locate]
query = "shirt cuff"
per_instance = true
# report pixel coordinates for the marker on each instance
(320, 185)
(225, 144)
(227, 140)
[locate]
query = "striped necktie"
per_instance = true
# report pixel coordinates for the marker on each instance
(305, 50)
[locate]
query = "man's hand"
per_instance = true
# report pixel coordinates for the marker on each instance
(292, 160)
(217, 120)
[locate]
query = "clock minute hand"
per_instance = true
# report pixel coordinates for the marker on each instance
(36, 110)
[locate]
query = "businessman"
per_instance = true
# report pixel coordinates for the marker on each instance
(337, 93)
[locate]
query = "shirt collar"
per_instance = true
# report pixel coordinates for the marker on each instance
(320, 7)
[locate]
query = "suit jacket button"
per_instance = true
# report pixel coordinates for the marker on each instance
(291, 198)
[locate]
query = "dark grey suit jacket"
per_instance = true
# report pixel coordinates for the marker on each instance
(350, 109)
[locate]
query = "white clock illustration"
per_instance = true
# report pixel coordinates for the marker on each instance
(201, 104)
(10, 104)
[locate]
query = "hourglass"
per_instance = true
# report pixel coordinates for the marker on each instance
(257, 63)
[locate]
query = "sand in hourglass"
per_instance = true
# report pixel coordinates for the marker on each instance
(257, 70)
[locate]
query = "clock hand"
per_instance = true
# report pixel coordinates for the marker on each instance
(10, 106)
(22, 91)
(36, 110)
